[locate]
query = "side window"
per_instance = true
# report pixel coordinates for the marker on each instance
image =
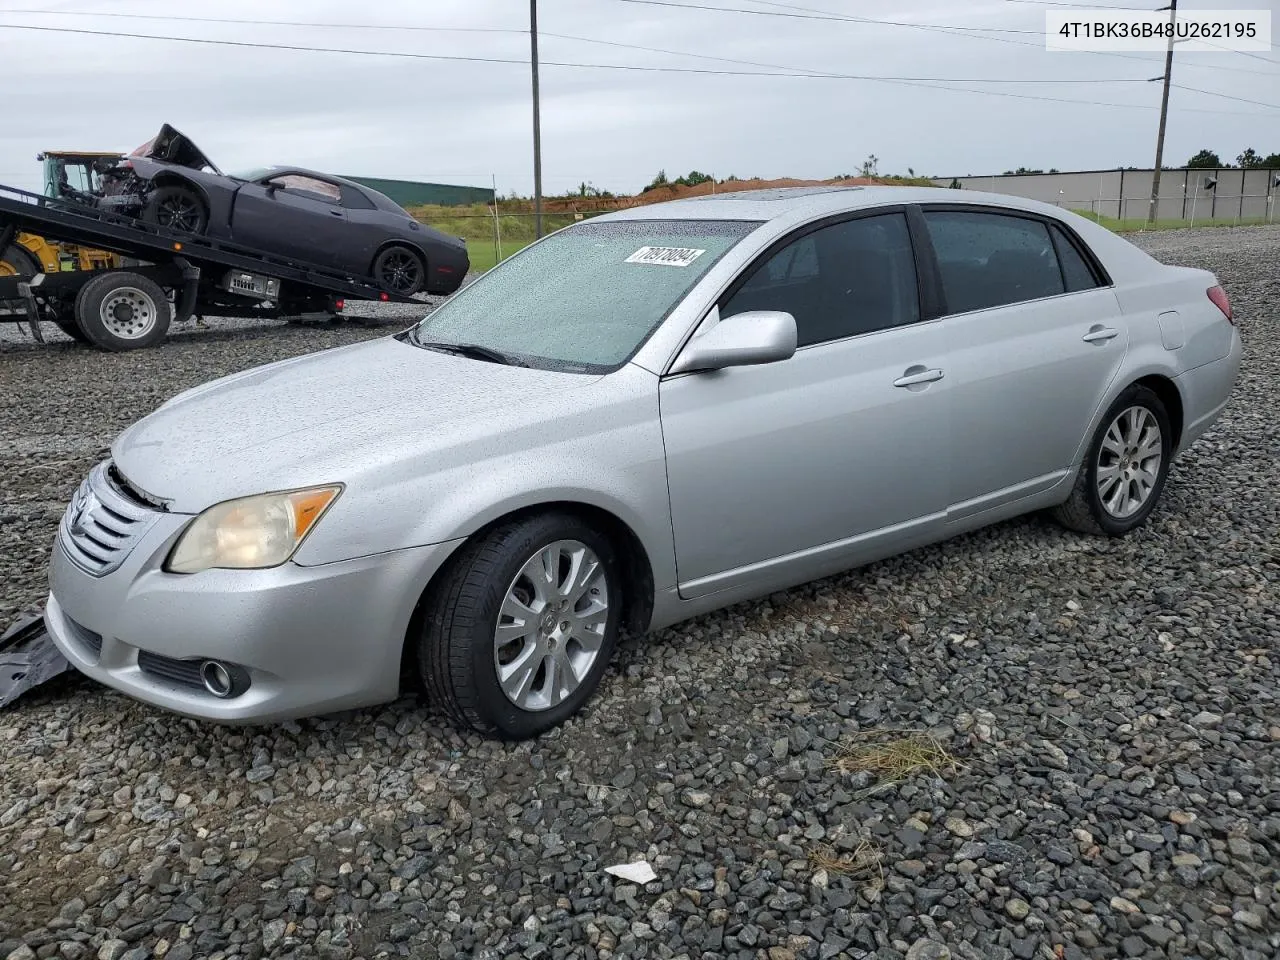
(308, 187)
(1075, 271)
(839, 281)
(353, 199)
(990, 259)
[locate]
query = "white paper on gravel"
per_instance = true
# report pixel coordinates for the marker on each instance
(638, 872)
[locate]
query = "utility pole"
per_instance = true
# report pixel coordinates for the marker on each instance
(537, 122)
(1164, 114)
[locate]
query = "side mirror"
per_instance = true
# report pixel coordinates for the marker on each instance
(271, 188)
(744, 339)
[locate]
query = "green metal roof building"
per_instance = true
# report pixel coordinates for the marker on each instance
(412, 193)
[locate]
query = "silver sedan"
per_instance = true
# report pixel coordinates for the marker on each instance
(638, 419)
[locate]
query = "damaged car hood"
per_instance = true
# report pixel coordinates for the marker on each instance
(172, 146)
(330, 417)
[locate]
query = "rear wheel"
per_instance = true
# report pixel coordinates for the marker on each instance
(123, 311)
(1125, 467)
(177, 208)
(521, 626)
(400, 270)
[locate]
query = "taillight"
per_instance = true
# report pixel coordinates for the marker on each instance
(1221, 301)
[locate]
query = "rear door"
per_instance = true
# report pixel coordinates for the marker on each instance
(295, 215)
(1034, 338)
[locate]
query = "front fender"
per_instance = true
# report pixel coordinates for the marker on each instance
(610, 457)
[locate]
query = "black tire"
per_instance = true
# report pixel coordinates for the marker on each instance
(457, 649)
(400, 269)
(16, 262)
(1085, 511)
(66, 322)
(119, 301)
(176, 208)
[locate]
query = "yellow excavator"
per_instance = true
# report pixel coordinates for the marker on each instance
(66, 174)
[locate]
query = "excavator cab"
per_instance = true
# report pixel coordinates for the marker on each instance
(72, 176)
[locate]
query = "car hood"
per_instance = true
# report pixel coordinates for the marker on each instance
(323, 418)
(172, 146)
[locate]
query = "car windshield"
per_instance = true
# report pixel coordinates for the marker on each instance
(584, 299)
(257, 173)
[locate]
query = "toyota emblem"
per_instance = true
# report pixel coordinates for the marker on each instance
(86, 507)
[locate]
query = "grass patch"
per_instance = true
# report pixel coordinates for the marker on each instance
(475, 224)
(865, 859)
(1137, 224)
(893, 758)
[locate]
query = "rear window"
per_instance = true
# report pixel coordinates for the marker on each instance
(991, 259)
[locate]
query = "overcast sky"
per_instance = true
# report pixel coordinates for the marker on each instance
(461, 122)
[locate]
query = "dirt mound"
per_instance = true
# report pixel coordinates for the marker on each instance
(679, 192)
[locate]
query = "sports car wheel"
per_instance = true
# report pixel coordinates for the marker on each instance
(176, 208)
(400, 270)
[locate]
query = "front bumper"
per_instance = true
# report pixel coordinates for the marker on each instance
(312, 640)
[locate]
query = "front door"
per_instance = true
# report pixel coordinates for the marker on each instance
(783, 472)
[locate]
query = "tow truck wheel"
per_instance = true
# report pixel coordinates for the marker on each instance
(123, 311)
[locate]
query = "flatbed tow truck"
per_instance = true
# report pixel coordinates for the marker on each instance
(169, 276)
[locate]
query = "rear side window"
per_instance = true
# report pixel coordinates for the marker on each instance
(1076, 272)
(990, 260)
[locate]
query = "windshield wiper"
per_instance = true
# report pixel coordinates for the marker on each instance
(473, 350)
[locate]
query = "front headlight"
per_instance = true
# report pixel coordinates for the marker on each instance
(250, 533)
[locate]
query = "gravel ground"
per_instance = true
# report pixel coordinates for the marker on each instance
(1112, 707)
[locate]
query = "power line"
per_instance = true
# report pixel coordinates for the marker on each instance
(928, 83)
(976, 33)
(802, 74)
(1077, 3)
(400, 28)
(1227, 96)
(797, 71)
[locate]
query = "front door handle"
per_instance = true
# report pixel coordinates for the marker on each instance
(917, 375)
(1100, 334)
(335, 213)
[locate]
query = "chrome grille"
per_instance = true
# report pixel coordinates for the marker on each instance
(102, 524)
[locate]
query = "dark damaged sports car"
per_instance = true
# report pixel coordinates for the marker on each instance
(284, 210)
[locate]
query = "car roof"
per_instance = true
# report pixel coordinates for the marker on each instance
(817, 201)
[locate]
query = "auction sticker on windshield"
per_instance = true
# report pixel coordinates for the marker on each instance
(666, 256)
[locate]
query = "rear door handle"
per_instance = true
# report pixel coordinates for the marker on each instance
(1100, 334)
(915, 375)
(335, 213)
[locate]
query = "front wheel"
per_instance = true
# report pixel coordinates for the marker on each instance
(176, 208)
(400, 270)
(522, 625)
(1125, 467)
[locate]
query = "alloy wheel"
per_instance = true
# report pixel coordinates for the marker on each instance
(1129, 461)
(551, 625)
